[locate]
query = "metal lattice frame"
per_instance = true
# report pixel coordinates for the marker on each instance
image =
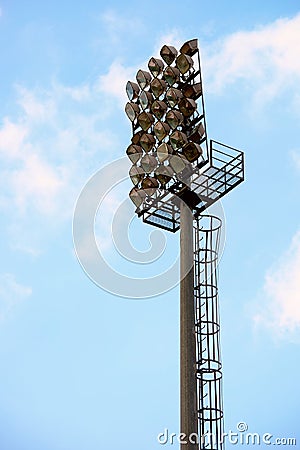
(224, 172)
(207, 231)
(185, 156)
(203, 180)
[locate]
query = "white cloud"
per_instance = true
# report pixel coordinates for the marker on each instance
(60, 135)
(296, 158)
(173, 37)
(36, 109)
(37, 184)
(48, 147)
(12, 136)
(114, 82)
(11, 293)
(29, 181)
(279, 308)
(117, 26)
(266, 59)
(105, 216)
(78, 93)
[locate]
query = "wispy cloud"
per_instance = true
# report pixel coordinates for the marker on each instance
(266, 59)
(55, 139)
(114, 81)
(119, 30)
(11, 293)
(117, 25)
(295, 155)
(60, 135)
(279, 309)
(37, 185)
(36, 109)
(174, 37)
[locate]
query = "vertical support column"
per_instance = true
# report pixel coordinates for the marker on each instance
(188, 384)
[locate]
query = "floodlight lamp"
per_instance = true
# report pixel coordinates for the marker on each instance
(178, 139)
(190, 47)
(164, 174)
(174, 118)
(192, 151)
(146, 99)
(156, 66)
(173, 96)
(132, 90)
(150, 184)
(145, 120)
(187, 106)
(171, 75)
(184, 63)
(168, 54)
(136, 137)
(198, 134)
(192, 90)
(158, 87)
(136, 174)
(161, 130)
(134, 153)
(158, 109)
(137, 196)
(132, 110)
(143, 78)
(164, 151)
(147, 141)
(178, 163)
(148, 163)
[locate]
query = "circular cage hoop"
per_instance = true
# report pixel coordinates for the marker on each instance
(210, 414)
(212, 289)
(207, 256)
(208, 223)
(207, 327)
(208, 365)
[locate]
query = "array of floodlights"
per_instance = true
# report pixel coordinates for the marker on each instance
(168, 129)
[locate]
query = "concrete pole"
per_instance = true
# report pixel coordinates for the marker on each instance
(188, 386)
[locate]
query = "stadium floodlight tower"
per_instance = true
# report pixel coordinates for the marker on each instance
(177, 175)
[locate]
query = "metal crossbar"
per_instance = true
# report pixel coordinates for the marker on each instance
(210, 183)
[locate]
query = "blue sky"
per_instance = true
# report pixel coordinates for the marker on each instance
(81, 368)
